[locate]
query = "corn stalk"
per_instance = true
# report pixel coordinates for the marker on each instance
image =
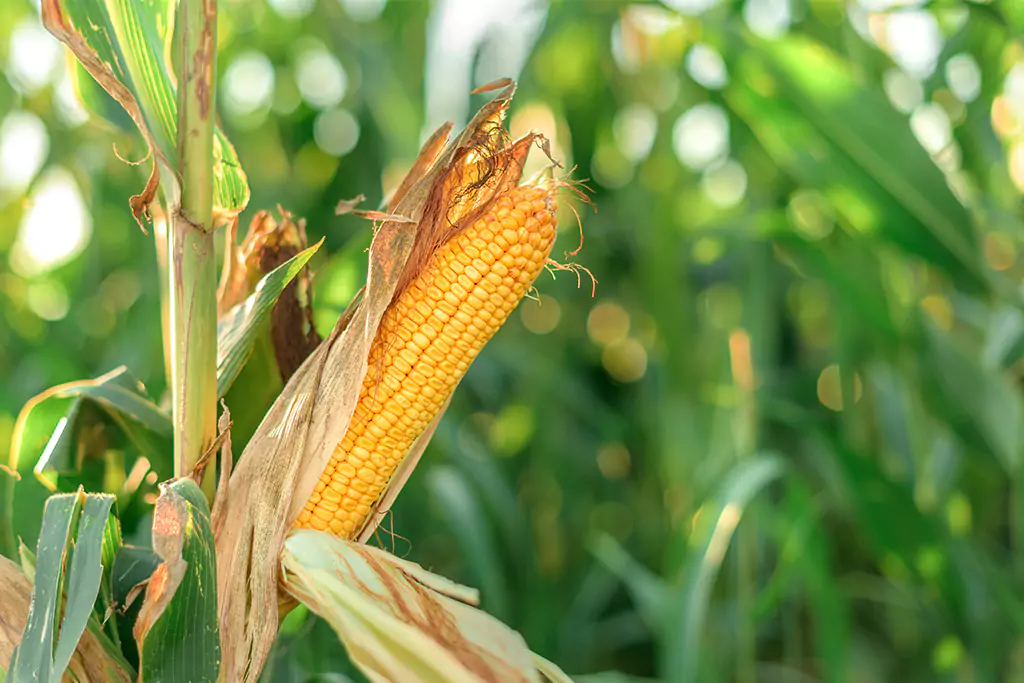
(192, 272)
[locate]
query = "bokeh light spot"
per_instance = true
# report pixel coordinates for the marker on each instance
(48, 299)
(706, 66)
(1000, 250)
(541, 316)
(248, 83)
(707, 250)
(811, 214)
(608, 323)
(958, 514)
(932, 127)
(767, 18)
(914, 40)
(24, 145)
(830, 389)
(363, 10)
(940, 310)
(635, 127)
(625, 360)
(33, 57)
(320, 77)
(512, 429)
(613, 460)
(700, 136)
(1016, 163)
(55, 228)
(948, 654)
(336, 132)
(963, 77)
(1013, 90)
(904, 92)
(725, 184)
(292, 9)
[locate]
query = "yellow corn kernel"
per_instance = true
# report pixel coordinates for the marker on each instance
(433, 330)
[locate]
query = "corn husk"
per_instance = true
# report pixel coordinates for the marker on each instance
(451, 183)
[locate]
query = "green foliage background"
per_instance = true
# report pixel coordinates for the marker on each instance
(782, 440)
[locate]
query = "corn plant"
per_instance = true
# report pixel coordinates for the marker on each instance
(235, 546)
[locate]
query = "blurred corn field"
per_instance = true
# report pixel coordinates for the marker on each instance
(779, 441)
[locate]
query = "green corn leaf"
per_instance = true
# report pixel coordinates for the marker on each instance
(125, 46)
(720, 517)
(468, 525)
(177, 631)
(833, 133)
(978, 401)
(238, 329)
(132, 566)
(63, 437)
(69, 573)
(649, 592)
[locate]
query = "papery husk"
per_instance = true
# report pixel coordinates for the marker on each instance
(89, 663)
(282, 462)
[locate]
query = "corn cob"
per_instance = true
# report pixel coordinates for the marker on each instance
(431, 334)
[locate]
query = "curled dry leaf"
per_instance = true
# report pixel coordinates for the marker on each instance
(89, 663)
(348, 205)
(450, 184)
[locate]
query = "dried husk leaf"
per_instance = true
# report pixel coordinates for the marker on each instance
(89, 664)
(398, 621)
(282, 462)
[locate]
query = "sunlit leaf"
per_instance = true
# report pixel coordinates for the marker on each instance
(832, 132)
(125, 46)
(60, 430)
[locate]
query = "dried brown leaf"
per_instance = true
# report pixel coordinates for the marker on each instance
(282, 460)
(496, 84)
(348, 205)
(382, 216)
(432, 148)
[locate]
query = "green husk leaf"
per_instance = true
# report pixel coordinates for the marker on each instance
(177, 631)
(237, 330)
